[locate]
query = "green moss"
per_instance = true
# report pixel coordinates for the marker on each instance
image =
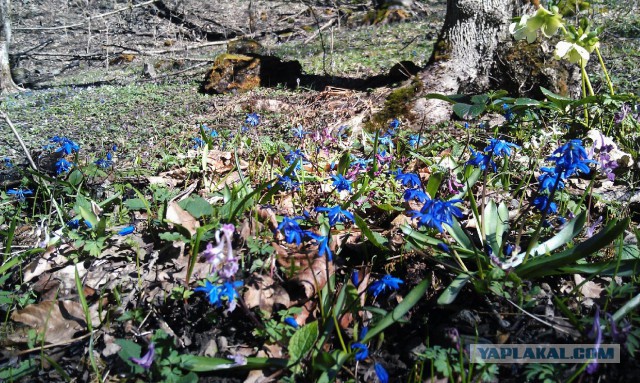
(396, 105)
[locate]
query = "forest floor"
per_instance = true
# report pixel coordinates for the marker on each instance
(81, 294)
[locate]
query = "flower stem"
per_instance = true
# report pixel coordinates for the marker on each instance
(604, 70)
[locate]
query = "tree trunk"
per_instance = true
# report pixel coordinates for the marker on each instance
(475, 53)
(6, 81)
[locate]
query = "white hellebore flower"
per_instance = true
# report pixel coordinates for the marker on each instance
(572, 52)
(520, 31)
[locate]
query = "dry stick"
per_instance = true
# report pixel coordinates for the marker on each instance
(87, 20)
(316, 33)
(15, 133)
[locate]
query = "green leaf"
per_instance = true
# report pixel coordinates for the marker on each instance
(89, 217)
(75, 178)
(196, 206)
(376, 239)
(434, 184)
(340, 357)
(302, 341)
(495, 223)
(459, 235)
(560, 101)
(467, 111)
(627, 308)
(129, 349)
(136, 204)
(204, 363)
(414, 296)
(542, 266)
(451, 292)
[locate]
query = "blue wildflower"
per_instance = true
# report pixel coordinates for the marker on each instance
(19, 194)
(323, 244)
(435, 213)
(341, 183)
(197, 142)
(443, 246)
(386, 282)
(336, 214)
(386, 140)
(291, 322)
(66, 146)
(7, 162)
(73, 224)
(482, 160)
(382, 374)
(287, 183)
(360, 163)
(212, 291)
(127, 230)
(299, 132)
(571, 158)
(415, 140)
(63, 166)
(362, 351)
(596, 334)
(500, 147)
(291, 230)
(549, 178)
(228, 291)
(543, 204)
(146, 360)
(252, 119)
(410, 180)
(294, 155)
(416, 194)
(508, 114)
(355, 278)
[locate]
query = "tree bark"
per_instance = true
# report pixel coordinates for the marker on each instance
(475, 53)
(6, 81)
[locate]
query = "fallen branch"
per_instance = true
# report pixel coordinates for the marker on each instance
(316, 33)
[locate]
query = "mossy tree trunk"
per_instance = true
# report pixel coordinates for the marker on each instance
(6, 81)
(475, 53)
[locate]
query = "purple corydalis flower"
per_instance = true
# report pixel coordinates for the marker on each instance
(146, 360)
(221, 255)
(596, 334)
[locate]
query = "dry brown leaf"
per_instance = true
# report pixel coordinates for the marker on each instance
(262, 291)
(57, 321)
(178, 215)
(589, 289)
(159, 180)
(314, 276)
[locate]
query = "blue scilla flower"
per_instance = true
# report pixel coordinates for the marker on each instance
(394, 124)
(410, 180)
(362, 350)
(299, 132)
(544, 204)
(415, 140)
(435, 213)
(127, 230)
(323, 244)
(291, 230)
(416, 195)
(212, 291)
(386, 140)
(7, 162)
(500, 147)
(386, 282)
(294, 155)
(287, 183)
(355, 278)
(252, 119)
(63, 166)
(444, 247)
(571, 158)
(336, 214)
(549, 178)
(73, 224)
(482, 160)
(291, 322)
(19, 194)
(197, 142)
(66, 146)
(508, 114)
(341, 183)
(381, 373)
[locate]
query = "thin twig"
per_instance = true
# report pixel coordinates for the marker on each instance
(15, 133)
(87, 20)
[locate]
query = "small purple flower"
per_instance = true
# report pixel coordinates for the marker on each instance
(386, 282)
(618, 335)
(596, 334)
(147, 359)
(221, 255)
(592, 228)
